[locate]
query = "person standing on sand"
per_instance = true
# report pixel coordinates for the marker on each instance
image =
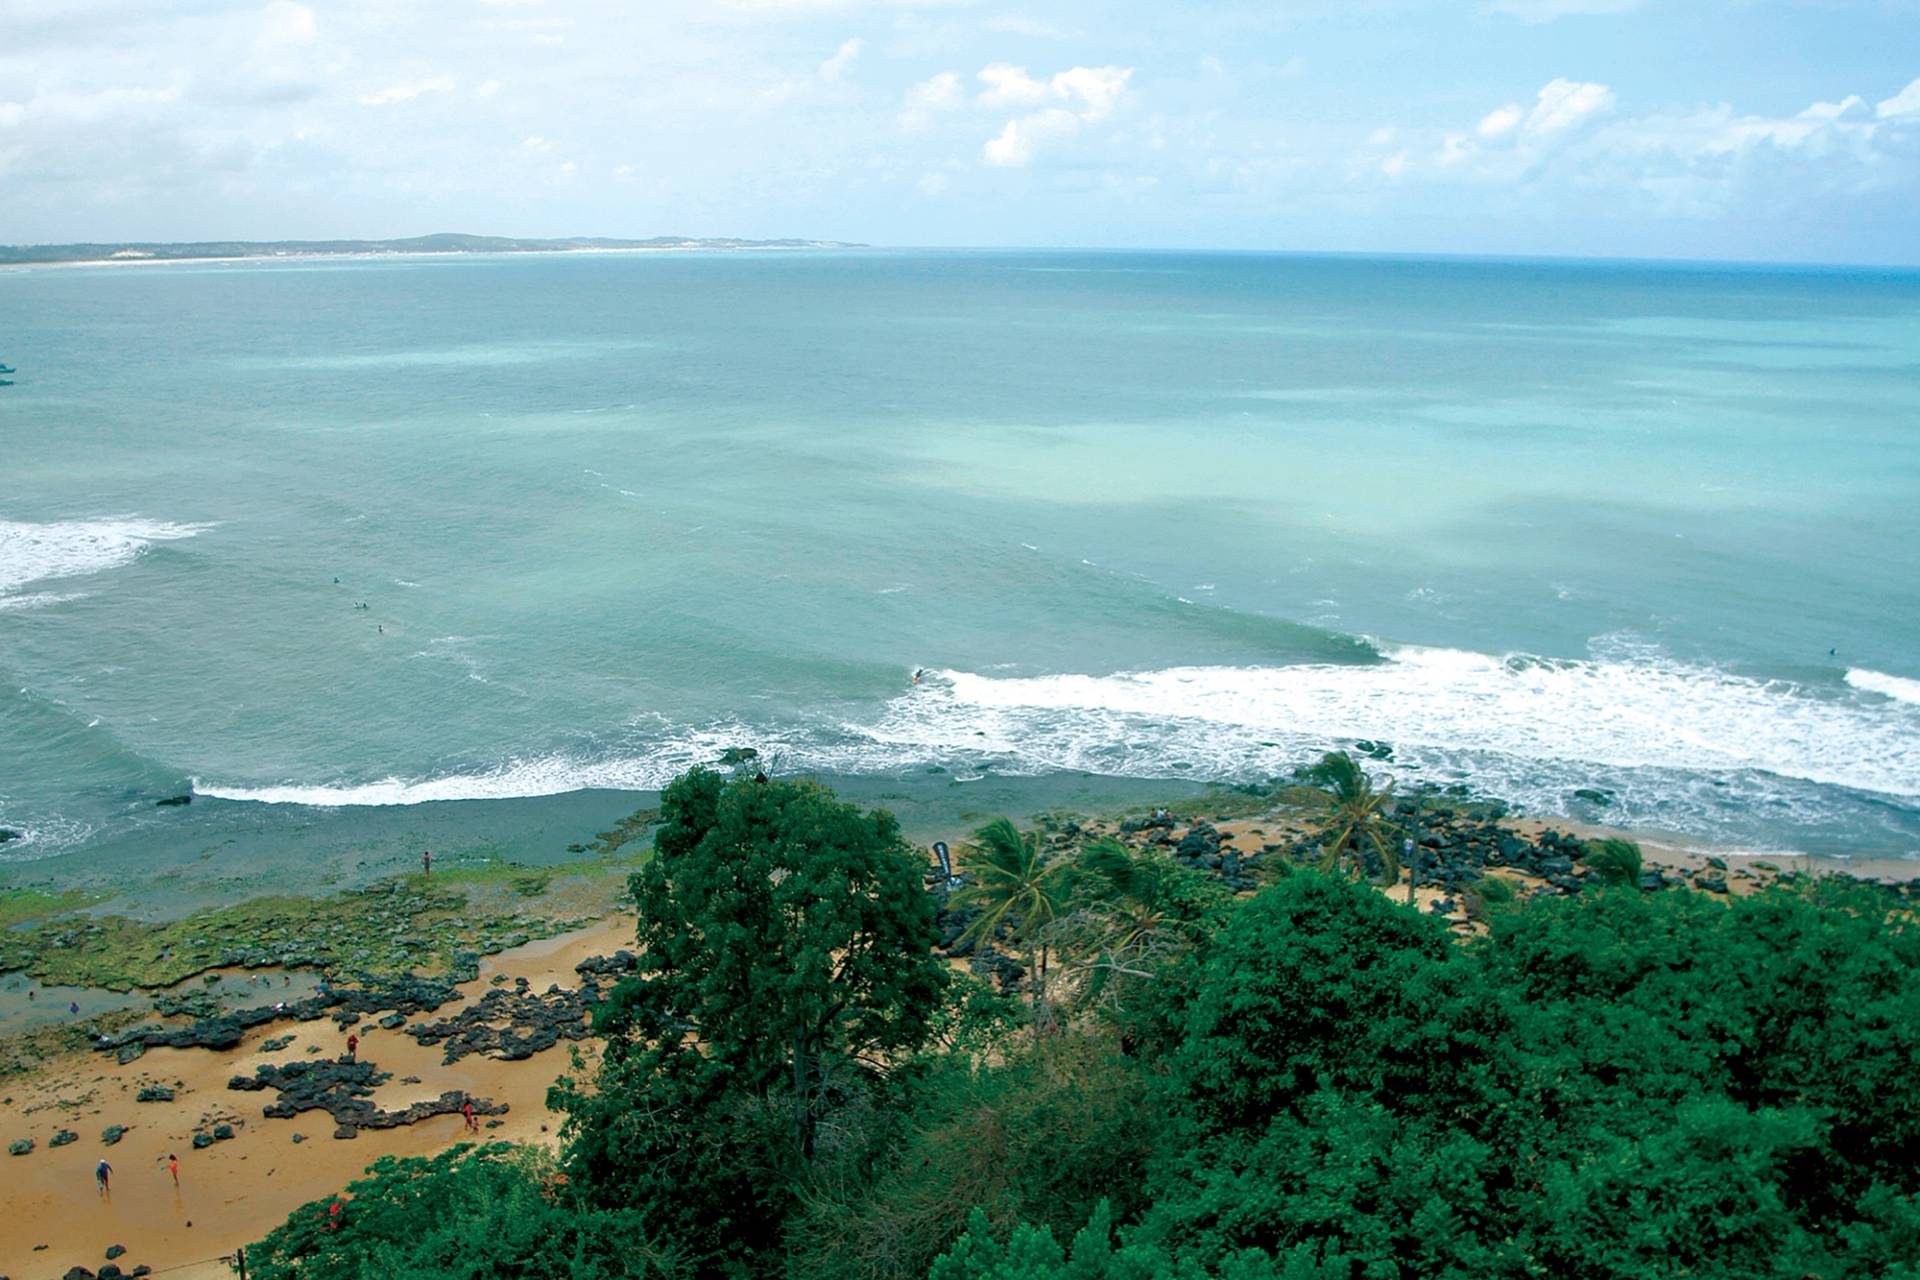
(73, 1007)
(353, 1048)
(173, 1167)
(426, 862)
(102, 1177)
(473, 1125)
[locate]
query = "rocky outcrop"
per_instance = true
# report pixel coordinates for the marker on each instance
(511, 1024)
(344, 1091)
(402, 996)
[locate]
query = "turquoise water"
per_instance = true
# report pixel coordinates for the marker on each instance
(1138, 516)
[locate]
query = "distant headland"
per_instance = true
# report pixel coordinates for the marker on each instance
(444, 242)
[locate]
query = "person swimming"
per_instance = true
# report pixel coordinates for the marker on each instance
(917, 673)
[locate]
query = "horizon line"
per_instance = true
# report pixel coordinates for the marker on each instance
(829, 244)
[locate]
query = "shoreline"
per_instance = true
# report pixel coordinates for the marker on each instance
(381, 255)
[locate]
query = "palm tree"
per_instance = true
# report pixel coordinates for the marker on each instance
(1357, 824)
(1614, 861)
(1486, 895)
(1018, 889)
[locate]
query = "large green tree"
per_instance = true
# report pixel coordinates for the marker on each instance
(785, 962)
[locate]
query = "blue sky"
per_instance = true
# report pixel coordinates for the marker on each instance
(1646, 128)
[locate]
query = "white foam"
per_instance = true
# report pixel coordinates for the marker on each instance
(1686, 747)
(1628, 713)
(516, 779)
(1899, 688)
(75, 548)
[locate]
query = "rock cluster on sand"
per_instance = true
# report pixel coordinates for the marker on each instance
(344, 1091)
(514, 1023)
(401, 995)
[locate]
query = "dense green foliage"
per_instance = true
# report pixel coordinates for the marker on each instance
(469, 1214)
(1310, 1083)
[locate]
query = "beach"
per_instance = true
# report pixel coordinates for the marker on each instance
(236, 1190)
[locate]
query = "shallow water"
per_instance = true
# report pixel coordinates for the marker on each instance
(1546, 527)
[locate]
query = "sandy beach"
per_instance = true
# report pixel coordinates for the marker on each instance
(234, 1191)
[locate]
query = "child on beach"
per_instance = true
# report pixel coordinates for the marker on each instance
(102, 1174)
(473, 1126)
(173, 1167)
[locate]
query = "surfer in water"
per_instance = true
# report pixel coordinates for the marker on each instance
(917, 673)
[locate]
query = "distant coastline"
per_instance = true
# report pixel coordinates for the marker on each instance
(116, 252)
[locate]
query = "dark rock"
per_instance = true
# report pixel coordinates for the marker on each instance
(110, 1271)
(20, 1147)
(112, 1133)
(275, 1044)
(345, 1131)
(154, 1093)
(62, 1138)
(393, 1022)
(7, 833)
(299, 1138)
(142, 1270)
(344, 1091)
(510, 1024)
(115, 1251)
(405, 994)
(77, 1273)
(1594, 795)
(222, 1132)
(129, 1052)
(201, 1141)
(172, 801)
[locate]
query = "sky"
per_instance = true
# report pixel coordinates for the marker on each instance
(1757, 130)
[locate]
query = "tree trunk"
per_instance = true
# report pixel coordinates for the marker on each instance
(803, 1102)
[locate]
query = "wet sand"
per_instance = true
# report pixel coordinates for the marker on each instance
(235, 1191)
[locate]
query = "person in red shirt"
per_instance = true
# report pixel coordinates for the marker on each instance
(353, 1048)
(473, 1125)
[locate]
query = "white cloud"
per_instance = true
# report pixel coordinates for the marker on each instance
(1083, 96)
(836, 66)
(932, 184)
(1009, 86)
(1500, 120)
(407, 92)
(935, 93)
(536, 143)
(1904, 103)
(1017, 142)
(487, 90)
(1565, 104)
(1097, 88)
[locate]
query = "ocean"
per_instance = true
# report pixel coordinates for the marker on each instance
(366, 552)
